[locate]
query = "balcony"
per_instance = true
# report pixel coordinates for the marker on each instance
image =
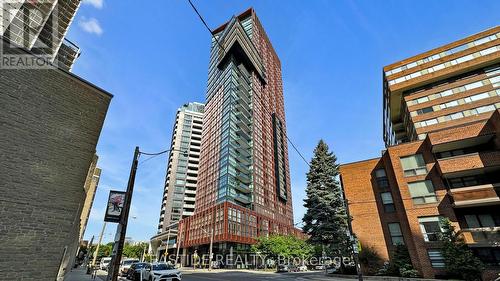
(461, 137)
(242, 188)
(481, 237)
(243, 108)
(242, 198)
(243, 178)
(243, 134)
(466, 164)
(242, 168)
(473, 196)
(242, 117)
(242, 151)
(242, 143)
(67, 54)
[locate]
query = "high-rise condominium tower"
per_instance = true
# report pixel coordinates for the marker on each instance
(182, 174)
(244, 182)
(41, 26)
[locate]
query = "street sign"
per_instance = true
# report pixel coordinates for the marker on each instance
(114, 207)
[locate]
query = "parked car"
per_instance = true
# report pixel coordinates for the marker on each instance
(160, 271)
(283, 268)
(134, 272)
(104, 264)
(302, 268)
(125, 265)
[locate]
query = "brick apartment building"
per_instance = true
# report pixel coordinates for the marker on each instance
(50, 123)
(243, 187)
(442, 157)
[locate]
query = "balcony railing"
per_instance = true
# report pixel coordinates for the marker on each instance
(481, 237)
(458, 165)
(479, 195)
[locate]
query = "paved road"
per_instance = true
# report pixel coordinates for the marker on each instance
(244, 275)
(256, 276)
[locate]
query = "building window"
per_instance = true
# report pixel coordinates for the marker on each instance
(463, 181)
(388, 202)
(422, 192)
(413, 165)
(396, 234)
(480, 220)
(437, 260)
(430, 228)
(381, 178)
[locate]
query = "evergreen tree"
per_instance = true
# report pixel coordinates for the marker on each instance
(459, 259)
(325, 220)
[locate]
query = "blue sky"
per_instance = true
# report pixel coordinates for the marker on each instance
(153, 57)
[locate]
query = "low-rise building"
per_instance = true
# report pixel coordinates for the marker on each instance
(442, 157)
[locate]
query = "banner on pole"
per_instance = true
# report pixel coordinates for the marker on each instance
(114, 207)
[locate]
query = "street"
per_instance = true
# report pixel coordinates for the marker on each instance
(253, 275)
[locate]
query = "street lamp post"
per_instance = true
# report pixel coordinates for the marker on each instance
(211, 246)
(122, 225)
(211, 242)
(179, 232)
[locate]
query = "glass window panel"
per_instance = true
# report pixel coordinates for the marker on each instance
(472, 221)
(412, 162)
(485, 108)
(422, 192)
(386, 198)
(480, 96)
(396, 234)
(424, 99)
(446, 93)
(430, 228)
(437, 260)
(380, 173)
(486, 220)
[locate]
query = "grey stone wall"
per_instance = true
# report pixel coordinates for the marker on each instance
(50, 123)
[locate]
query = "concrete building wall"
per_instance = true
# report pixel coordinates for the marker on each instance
(50, 124)
(90, 187)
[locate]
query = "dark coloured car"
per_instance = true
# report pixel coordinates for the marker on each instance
(134, 272)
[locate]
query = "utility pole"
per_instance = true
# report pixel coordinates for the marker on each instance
(87, 258)
(211, 246)
(122, 226)
(166, 246)
(354, 250)
(178, 247)
(98, 244)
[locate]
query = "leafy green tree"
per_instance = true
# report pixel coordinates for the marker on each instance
(282, 246)
(400, 264)
(104, 250)
(134, 251)
(459, 259)
(326, 218)
(370, 260)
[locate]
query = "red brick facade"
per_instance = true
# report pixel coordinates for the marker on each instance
(441, 129)
(243, 41)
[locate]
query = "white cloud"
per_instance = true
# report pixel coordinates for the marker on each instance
(90, 25)
(96, 3)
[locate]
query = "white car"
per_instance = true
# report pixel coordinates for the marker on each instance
(103, 265)
(125, 265)
(161, 272)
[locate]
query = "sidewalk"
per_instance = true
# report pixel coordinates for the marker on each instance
(80, 274)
